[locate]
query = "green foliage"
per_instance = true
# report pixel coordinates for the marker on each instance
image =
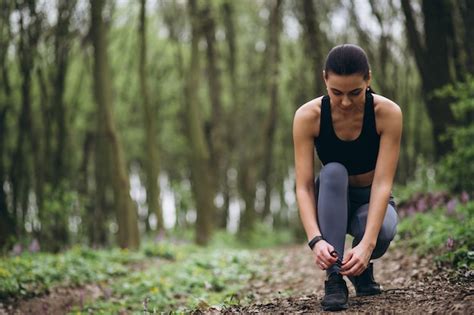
(162, 250)
(457, 167)
(32, 274)
(425, 180)
(62, 204)
(195, 280)
(164, 276)
(443, 232)
(262, 236)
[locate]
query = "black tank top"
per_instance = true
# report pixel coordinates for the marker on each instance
(359, 156)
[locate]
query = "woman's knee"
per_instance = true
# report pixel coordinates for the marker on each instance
(334, 174)
(383, 242)
(389, 226)
(387, 233)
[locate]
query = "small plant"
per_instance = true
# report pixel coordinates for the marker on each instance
(445, 232)
(457, 167)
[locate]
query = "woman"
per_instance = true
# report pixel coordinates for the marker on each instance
(356, 134)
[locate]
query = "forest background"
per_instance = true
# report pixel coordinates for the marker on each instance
(123, 121)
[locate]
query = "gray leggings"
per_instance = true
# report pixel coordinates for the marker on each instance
(343, 209)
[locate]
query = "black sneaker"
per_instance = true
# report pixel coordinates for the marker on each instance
(365, 284)
(336, 293)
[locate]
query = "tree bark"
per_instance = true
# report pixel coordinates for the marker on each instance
(313, 43)
(21, 172)
(433, 59)
(250, 161)
(7, 223)
(217, 146)
(61, 52)
(149, 116)
(231, 118)
(272, 115)
(467, 10)
(200, 157)
(128, 236)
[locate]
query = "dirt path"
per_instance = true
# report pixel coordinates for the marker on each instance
(411, 285)
(290, 283)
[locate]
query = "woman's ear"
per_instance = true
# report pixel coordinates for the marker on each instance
(369, 78)
(324, 75)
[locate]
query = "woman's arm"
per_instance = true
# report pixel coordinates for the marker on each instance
(304, 131)
(303, 135)
(390, 136)
(390, 122)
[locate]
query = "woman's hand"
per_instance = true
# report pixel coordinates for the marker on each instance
(356, 260)
(322, 255)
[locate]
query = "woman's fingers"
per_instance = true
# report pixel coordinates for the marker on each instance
(323, 255)
(352, 271)
(353, 268)
(326, 253)
(332, 254)
(348, 257)
(359, 271)
(320, 264)
(327, 258)
(322, 258)
(349, 264)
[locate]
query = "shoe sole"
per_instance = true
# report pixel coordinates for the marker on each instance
(339, 307)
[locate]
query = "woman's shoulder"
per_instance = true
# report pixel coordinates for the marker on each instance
(309, 110)
(384, 106)
(306, 118)
(388, 114)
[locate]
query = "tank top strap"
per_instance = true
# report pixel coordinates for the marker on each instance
(325, 121)
(369, 114)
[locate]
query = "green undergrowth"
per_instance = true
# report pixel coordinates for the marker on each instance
(32, 274)
(198, 280)
(262, 236)
(167, 275)
(446, 234)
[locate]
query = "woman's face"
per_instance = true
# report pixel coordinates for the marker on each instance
(347, 92)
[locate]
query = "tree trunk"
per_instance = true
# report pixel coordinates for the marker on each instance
(61, 52)
(48, 124)
(271, 120)
(102, 171)
(7, 223)
(247, 186)
(433, 59)
(149, 116)
(96, 218)
(217, 132)
(466, 8)
(231, 121)
(313, 43)
(29, 29)
(250, 161)
(128, 236)
(200, 157)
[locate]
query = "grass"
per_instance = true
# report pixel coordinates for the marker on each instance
(33, 274)
(445, 233)
(196, 280)
(168, 275)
